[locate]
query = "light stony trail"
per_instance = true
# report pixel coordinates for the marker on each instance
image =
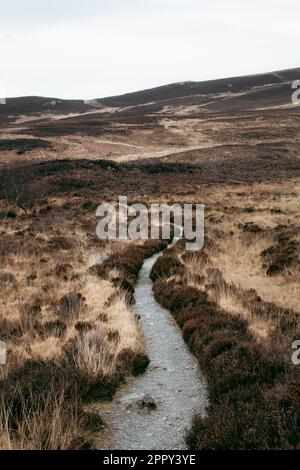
(173, 382)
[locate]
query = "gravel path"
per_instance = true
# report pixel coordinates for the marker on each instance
(156, 408)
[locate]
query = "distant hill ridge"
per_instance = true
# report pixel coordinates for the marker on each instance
(32, 105)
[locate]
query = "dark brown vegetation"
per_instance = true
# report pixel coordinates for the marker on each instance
(105, 179)
(283, 255)
(166, 266)
(254, 394)
(23, 145)
(35, 106)
(128, 264)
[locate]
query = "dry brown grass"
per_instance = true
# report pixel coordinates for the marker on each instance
(241, 265)
(53, 309)
(236, 253)
(51, 427)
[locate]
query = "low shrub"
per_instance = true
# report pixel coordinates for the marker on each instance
(70, 305)
(62, 270)
(34, 308)
(166, 265)
(60, 243)
(128, 263)
(178, 297)
(278, 257)
(24, 389)
(251, 420)
(8, 279)
(24, 145)
(10, 329)
(135, 363)
(83, 326)
(55, 328)
(251, 227)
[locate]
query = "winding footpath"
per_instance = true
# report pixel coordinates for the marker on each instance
(173, 381)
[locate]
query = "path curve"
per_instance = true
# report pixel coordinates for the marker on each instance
(173, 380)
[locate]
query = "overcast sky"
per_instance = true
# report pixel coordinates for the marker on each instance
(95, 48)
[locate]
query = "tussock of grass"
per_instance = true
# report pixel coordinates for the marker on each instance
(166, 265)
(50, 426)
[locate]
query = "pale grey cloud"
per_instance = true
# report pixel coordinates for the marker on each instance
(94, 48)
(28, 13)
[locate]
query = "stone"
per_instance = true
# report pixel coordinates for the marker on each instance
(138, 400)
